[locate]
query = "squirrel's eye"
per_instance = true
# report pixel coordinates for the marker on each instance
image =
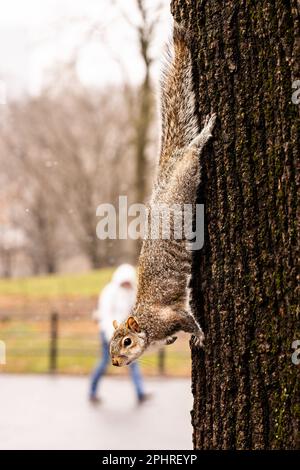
(127, 342)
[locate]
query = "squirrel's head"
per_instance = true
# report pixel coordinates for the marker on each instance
(128, 342)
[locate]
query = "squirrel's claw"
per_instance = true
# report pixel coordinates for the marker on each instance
(210, 121)
(206, 133)
(199, 340)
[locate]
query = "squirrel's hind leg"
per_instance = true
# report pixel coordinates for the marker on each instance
(206, 133)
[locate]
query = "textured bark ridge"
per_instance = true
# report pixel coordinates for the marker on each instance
(246, 388)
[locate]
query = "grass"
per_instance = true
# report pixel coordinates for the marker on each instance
(60, 285)
(25, 305)
(27, 349)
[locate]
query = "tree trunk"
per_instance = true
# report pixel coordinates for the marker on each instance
(6, 257)
(143, 125)
(246, 388)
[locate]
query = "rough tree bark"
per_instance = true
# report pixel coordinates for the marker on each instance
(246, 389)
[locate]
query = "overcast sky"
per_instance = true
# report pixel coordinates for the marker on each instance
(37, 34)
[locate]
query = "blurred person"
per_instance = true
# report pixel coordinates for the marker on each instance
(115, 303)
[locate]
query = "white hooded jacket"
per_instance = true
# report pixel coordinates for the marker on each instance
(116, 302)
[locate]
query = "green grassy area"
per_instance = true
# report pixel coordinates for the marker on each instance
(27, 349)
(59, 285)
(25, 307)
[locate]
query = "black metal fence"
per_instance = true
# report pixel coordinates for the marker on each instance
(53, 343)
(54, 350)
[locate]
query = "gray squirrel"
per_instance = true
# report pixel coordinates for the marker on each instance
(162, 305)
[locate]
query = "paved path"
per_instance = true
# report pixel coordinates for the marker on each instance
(42, 412)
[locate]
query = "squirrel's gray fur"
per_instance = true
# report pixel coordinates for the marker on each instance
(162, 304)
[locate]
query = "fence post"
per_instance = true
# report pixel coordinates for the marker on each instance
(161, 361)
(53, 342)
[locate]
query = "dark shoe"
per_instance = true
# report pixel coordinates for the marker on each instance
(143, 398)
(95, 400)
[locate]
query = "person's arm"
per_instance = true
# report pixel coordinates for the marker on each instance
(105, 312)
(96, 315)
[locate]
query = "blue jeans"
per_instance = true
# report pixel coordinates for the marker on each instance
(102, 366)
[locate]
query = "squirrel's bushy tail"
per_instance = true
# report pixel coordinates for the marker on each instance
(179, 121)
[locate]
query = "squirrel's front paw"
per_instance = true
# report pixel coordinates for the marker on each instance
(199, 340)
(170, 340)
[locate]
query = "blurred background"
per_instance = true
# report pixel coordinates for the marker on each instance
(78, 127)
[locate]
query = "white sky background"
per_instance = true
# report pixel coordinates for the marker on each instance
(36, 35)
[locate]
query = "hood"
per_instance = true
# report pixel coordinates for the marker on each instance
(124, 273)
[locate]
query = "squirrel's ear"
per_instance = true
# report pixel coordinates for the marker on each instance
(115, 324)
(133, 325)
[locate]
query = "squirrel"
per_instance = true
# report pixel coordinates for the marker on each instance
(162, 304)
